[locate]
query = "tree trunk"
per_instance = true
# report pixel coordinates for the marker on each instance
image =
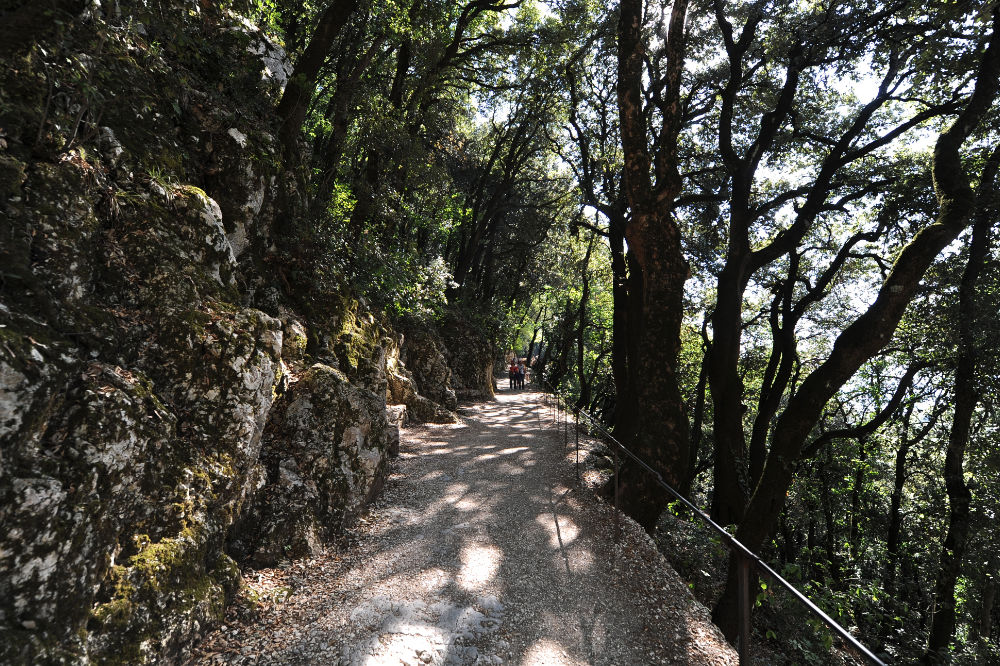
(731, 487)
(989, 599)
(830, 537)
(619, 321)
(959, 495)
(301, 85)
(652, 422)
(895, 519)
(584, 397)
(854, 529)
(698, 418)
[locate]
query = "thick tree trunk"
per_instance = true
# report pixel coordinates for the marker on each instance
(301, 85)
(653, 421)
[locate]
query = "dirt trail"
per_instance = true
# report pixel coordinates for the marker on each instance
(481, 551)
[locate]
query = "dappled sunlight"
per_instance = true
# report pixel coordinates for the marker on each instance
(581, 560)
(546, 652)
(427, 580)
(406, 645)
(509, 469)
(560, 529)
(487, 554)
(485, 457)
(467, 505)
(456, 491)
(480, 564)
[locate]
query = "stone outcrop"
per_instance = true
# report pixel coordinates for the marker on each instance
(159, 389)
(324, 456)
(403, 389)
(423, 354)
(470, 355)
(169, 400)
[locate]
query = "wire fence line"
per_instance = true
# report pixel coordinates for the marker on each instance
(561, 408)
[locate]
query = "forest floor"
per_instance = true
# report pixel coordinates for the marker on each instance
(483, 549)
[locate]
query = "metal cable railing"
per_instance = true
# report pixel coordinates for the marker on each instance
(745, 557)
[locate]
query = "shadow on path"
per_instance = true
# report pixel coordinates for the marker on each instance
(482, 551)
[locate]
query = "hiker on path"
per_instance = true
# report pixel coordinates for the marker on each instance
(522, 373)
(512, 373)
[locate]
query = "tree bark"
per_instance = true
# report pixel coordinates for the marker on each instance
(894, 532)
(652, 422)
(301, 85)
(989, 598)
(619, 320)
(584, 398)
(965, 400)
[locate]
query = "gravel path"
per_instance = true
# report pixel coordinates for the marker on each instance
(482, 550)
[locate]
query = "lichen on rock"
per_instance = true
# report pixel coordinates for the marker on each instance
(325, 452)
(423, 354)
(470, 355)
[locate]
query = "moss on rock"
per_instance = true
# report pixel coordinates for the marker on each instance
(11, 175)
(135, 377)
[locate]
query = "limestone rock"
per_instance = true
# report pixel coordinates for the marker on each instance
(116, 496)
(423, 354)
(470, 356)
(295, 339)
(396, 416)
(325, 455)
(136, 377)
(402, 390)
(173, 255)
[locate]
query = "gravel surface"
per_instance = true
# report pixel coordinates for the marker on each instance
(482, 550)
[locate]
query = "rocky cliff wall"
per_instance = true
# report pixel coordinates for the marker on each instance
(167, 401)
(470, 354)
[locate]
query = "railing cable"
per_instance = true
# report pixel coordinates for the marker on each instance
(746, 557)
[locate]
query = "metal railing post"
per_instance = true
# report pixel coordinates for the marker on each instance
(565, 426)
(618, 527)
(744, 616)
(576, 431)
